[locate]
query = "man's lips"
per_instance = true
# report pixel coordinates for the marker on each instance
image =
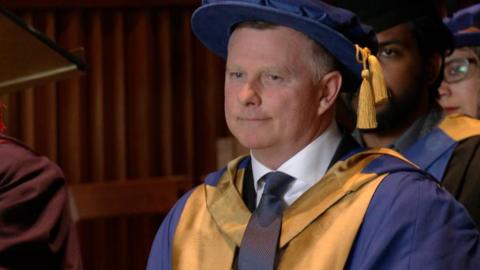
(253, 119)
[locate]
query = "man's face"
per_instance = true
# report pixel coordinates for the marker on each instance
(271, 99)
(404, 74)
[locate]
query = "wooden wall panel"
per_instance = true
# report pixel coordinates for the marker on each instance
(186, 84)
(27, 111)
(115, 129)
(139, 53)
(115, 101)
(165, 108)
(208, 106)
(73, 107)
(151, 104)
(95, 99)
(47, 101)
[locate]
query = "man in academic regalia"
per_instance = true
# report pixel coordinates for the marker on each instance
(36, 229)
(413, 42)
(304, 198)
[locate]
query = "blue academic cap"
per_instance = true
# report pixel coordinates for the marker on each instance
(336, 29)
(465, 26)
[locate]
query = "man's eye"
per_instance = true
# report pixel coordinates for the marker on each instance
(387, 52)
(274, 77)
(235, 75)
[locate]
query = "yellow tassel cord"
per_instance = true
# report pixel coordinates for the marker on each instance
(366, 105)
(372, 89)
(378, 81)
(366, 101)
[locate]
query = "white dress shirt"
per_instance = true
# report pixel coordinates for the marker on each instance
(307, 166)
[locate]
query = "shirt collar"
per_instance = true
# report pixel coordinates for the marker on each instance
(309, 164)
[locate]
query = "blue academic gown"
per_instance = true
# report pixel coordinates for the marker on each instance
(432, 152)
(451, 153)
(410, 223)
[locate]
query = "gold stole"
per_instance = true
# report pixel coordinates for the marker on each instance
(318, 229)
(460, 127)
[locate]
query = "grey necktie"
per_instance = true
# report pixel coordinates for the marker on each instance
(260, 241)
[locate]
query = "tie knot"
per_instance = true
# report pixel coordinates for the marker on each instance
(276, 183)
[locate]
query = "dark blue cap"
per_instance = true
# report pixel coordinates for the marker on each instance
(336, 29)
(465, 26)
(385, 14)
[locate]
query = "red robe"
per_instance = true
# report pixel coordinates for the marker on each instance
(36, 230)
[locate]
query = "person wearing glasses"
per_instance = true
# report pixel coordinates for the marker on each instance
(413, 42)
(460, 90)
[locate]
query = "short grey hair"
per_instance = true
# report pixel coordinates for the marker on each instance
(322, 61)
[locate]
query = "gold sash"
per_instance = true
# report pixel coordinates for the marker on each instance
(318, 229)
(460, 127)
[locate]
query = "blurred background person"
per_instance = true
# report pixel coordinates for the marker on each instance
(460, 89)
(413, 43)
(36, 228)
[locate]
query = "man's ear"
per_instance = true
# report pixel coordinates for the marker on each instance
(434, 67)
(329, 87)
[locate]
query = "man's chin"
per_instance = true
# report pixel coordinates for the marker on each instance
(390, 118)
(254, 144)
(248, 142)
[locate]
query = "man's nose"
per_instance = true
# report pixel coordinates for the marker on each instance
(249, 95)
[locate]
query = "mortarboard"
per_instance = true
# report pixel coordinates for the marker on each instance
(385, 14)
(338, 30)
(465, 26)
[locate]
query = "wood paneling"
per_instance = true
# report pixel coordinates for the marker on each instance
(27, 111)
(165, 108)
(115, 106)
(46, 112)
(73, 107)
(149, 107)
(124, 198)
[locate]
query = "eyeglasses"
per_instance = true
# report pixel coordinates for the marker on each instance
(457, 69)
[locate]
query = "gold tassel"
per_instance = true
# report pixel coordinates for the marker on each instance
(366, 116)
(378, 80)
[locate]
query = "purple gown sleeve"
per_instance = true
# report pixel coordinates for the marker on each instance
(412, 223)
